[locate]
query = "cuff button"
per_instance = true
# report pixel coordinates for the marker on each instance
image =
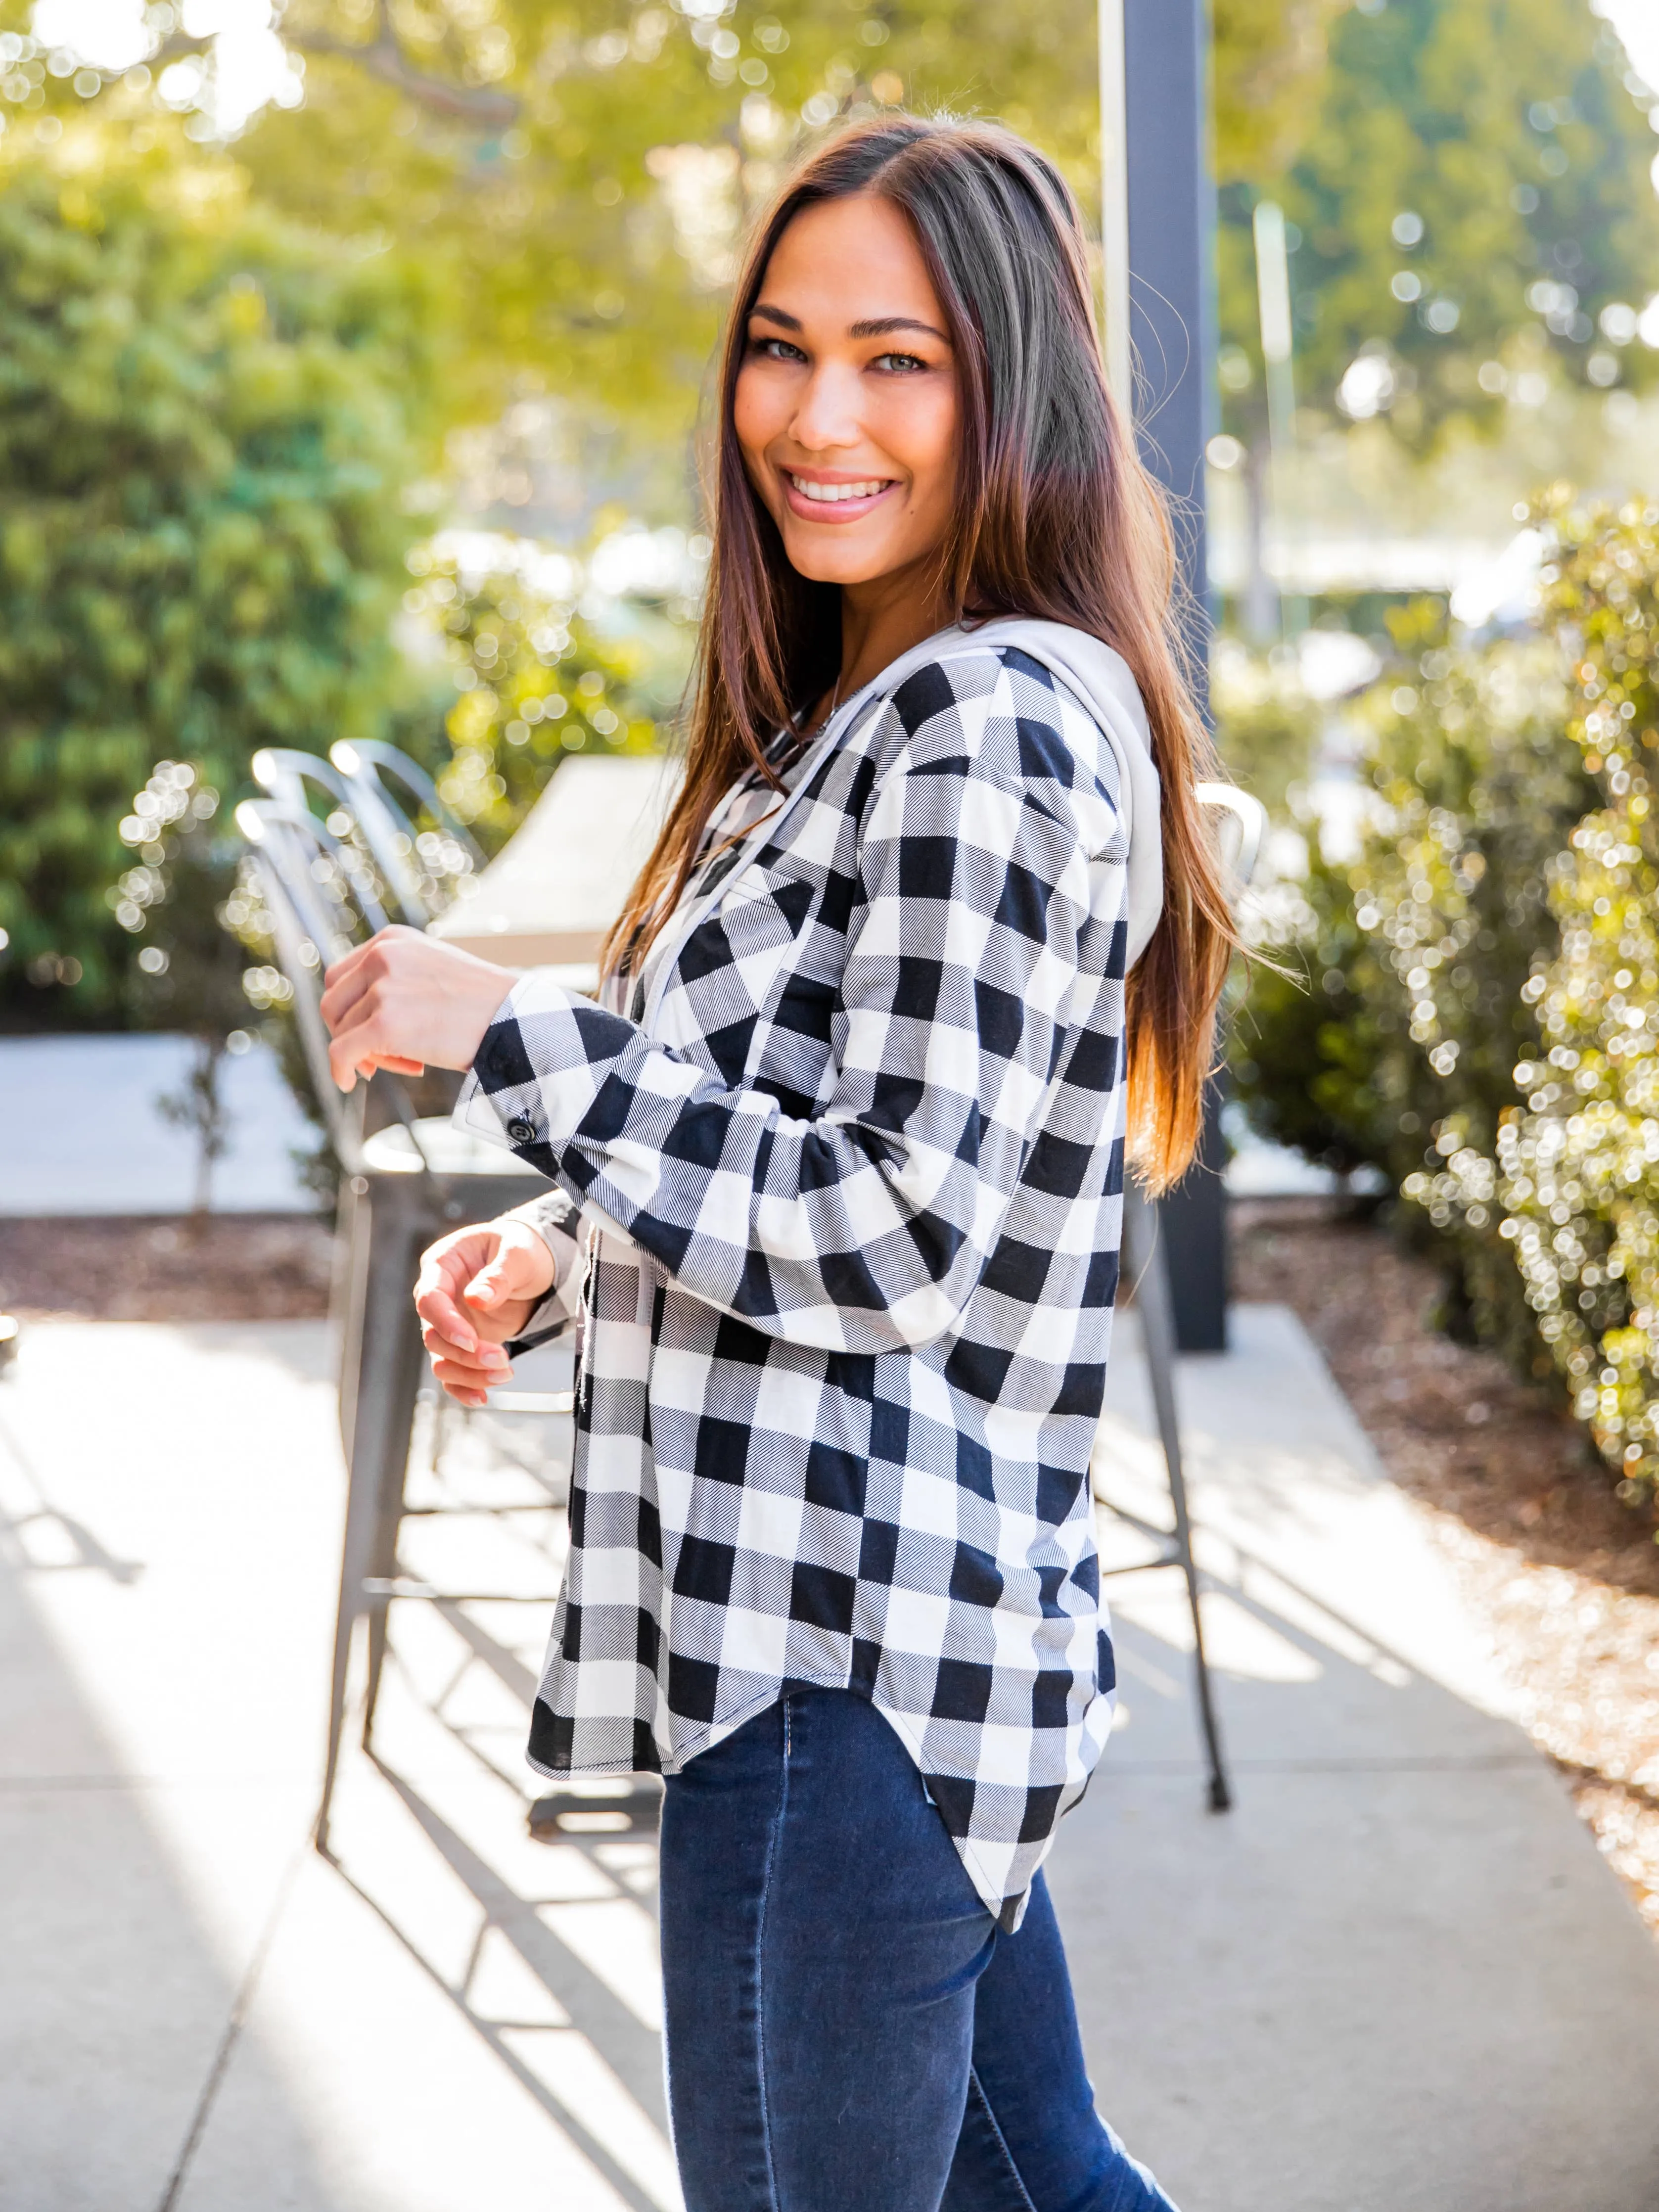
(521, 1132)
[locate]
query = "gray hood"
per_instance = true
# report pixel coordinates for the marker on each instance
(1106, 690)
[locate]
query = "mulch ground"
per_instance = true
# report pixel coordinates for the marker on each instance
(1563, 1577)
(223, 1266)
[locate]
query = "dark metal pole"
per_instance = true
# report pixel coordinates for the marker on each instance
(1171, 226)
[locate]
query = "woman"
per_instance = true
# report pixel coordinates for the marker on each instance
(844, 1145)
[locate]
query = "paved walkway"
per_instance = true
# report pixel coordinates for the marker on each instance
(1397, 1975)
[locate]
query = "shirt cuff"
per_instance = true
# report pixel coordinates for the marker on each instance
(555, 1219)
(541, 1066)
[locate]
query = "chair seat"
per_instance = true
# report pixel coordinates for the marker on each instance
(445, 1149)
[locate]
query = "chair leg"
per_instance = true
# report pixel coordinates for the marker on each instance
(1144, 1251)
(393, 1477)
(386, 1224)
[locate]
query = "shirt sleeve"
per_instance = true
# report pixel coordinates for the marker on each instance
(868, 1227)
(555, 1216)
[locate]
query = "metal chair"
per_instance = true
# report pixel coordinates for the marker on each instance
(1239, 834)
(371, 772)
(359, 780)
(403, 1184)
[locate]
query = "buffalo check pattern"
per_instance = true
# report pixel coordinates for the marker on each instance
(851, 1183)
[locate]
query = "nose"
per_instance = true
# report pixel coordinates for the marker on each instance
(827, 419)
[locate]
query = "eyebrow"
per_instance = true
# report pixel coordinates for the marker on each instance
(881, 328)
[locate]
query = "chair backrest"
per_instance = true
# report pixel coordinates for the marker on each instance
(287, 776)
(319, 902)
(1240, 827)
(371, 773)
(284, 773)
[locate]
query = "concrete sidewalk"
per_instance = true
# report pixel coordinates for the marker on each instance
(1397, 1975)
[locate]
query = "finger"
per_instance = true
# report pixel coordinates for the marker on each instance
(358, 1044)
(454, 1258)
(485, 1359)
(456, 1376)
(372, 1062)
(505, 1277)
(437, 1291)
(459, 1376)
(438, 1310)
(467, 1367)
(345, 983)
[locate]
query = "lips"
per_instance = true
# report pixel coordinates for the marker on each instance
(820, 499)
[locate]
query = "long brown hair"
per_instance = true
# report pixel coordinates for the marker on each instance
(1056, 519)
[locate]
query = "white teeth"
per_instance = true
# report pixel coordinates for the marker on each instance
(830, 492)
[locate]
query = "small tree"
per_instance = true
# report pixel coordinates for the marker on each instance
(187, 975)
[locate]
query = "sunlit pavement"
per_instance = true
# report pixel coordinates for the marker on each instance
(1396, 1975)
(195, 2010)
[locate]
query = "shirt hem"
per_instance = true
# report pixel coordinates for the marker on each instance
(1007, 1909)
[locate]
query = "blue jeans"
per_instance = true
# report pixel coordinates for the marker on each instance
(849, 2031)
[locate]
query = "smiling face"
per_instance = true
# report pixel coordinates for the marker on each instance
(846, 406)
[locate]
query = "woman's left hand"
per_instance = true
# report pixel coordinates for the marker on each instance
(407, 1001)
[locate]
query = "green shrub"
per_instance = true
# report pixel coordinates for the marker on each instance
(1570, 1179)
(1403, 1014)
(204, 435)
(1307, 1047)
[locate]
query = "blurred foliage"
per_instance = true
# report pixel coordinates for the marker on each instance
(1265, 725)
(204, 426)
(1272, 61)
(1406, 1006)
(537, 681)
(1571, 1179)
(1479, 791)
(572, 178)
(1483, 1016)
(1306, 1044)
(1471, 206)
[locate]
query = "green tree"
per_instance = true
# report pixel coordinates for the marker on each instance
(573, 176)
(205, 432)
(1471, 207)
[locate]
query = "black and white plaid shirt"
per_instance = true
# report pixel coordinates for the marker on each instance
(853, 1180)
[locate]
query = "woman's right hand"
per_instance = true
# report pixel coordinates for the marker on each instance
(477, 1288)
